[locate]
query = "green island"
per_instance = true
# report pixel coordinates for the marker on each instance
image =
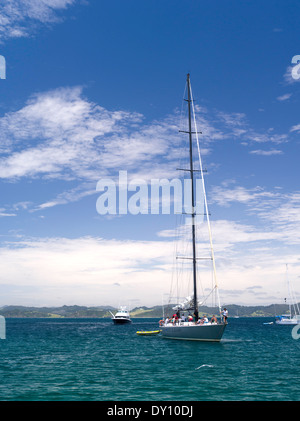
(75, 311)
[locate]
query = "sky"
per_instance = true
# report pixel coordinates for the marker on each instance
(90, 88)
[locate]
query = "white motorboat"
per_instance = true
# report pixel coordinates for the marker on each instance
(121, 317)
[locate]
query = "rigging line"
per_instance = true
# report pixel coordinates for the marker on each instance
(205, 199)
(206, 298)
(181, 119)
(200, 284)
(182, 109)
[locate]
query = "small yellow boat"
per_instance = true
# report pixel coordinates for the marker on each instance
(148, 332)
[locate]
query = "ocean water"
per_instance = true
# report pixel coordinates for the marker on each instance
(94, 360)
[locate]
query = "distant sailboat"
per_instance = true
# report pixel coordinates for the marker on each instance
(237, 315)
(180, 328)
(293, 316)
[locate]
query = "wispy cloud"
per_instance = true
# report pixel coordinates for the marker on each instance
(69, 196)
(4, 213)
(19, 18)
(267, 153)
(59, 134)
(223, 196)
(287, 211)
(238, 127)
(295, 128)
(266, 137)
(278, 212)
(284, 97)
(288, 76)
(62, 135)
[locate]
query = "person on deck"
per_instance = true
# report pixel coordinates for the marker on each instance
(225, 315)
(196, 315)
(214, 319)
(202, 321)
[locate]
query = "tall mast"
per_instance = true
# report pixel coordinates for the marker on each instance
(189, 100)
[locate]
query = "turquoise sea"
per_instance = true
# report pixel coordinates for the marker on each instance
(94, 360)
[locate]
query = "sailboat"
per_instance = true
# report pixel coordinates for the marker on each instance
(293, 316)
(180, 328)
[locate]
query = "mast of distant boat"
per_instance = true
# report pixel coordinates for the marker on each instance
(292, 299)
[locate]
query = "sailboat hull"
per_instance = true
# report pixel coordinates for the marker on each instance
(205, 332)
(286, 321)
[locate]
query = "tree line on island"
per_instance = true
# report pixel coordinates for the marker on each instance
(75, 311)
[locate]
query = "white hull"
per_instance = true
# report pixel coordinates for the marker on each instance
(192, 332)
(293, 315)
(288, 322)
(286, 319)
(121, 320)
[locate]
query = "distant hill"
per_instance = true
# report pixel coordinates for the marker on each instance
(64, 311)
(156, 311)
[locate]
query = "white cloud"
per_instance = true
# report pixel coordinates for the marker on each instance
(239, 127)
(284, 97)
(85, 270)
(4, 213)
(18, 18)
(62, 135)
(224, 196)
(287, 213)
(266, 137)
(72, 195)
(279, 213)
(295, 128)
(236, 122)
(267, 153)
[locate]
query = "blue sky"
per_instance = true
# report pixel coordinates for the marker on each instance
(93, 88)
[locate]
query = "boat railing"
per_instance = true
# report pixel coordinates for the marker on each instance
(182, 323)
